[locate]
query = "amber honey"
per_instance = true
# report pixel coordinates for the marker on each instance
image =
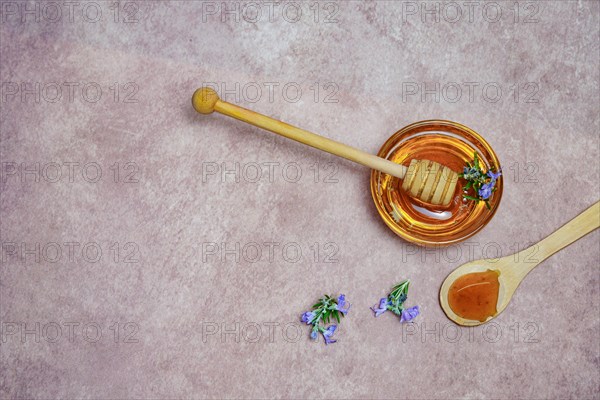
(475, 295)
(451, 145)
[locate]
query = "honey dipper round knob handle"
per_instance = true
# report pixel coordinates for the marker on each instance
(428, 181)
(204, 100)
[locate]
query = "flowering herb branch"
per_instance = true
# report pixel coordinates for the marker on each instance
(394, 302)
(483, 184)
(323, 311)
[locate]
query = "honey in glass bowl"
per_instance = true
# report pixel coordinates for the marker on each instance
(449, 144)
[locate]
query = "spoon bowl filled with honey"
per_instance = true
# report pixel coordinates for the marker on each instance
(480, 290)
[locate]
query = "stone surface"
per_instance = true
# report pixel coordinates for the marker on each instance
(182, 311)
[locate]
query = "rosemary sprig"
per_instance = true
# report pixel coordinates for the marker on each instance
(480, 184)
(394, 302)
(323, 311)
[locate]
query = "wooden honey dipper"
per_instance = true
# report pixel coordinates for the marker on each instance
(426, 180)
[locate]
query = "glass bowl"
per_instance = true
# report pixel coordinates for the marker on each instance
(450, 144)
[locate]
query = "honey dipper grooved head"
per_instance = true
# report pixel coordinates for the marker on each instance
(204, 100)
(430, 182)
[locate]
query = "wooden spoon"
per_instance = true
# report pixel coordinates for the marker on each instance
(427, 180)
(513, 269)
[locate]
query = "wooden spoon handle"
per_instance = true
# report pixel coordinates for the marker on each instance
(206, 100)
(573, 230)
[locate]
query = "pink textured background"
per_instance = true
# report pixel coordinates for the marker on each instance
(545, 345)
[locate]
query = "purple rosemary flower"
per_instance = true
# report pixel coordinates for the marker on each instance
(485, 191)
(307, 317)
(383, 302)
(409, 314)
(328, 333)
(342, 305)
(494, 176)
(313, 335)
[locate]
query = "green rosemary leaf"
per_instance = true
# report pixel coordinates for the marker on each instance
(399, 289)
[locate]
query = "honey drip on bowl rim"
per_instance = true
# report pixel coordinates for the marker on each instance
(475, 295)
